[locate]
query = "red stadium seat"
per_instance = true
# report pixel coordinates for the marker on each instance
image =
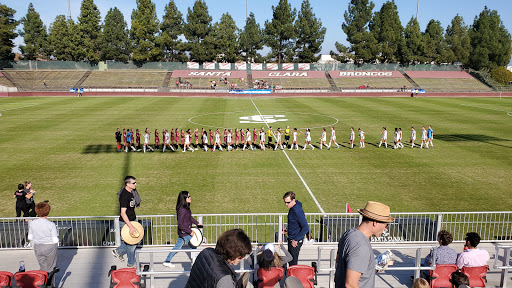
(306, 274)
(476, 275)
(5, 279)
(31, 279)
(269, 278)
(440, 277)
(126, 277)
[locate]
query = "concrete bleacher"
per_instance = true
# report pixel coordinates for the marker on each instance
(293, 79)
(203, 83)
(89, 267)
(45, 79)
(447, 81)
(369, 80)
(125, 79)
(5, 82)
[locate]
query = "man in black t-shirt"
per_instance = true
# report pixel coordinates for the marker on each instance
(118, 139)
(127, 203)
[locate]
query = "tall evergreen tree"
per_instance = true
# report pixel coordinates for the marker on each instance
(490, 40)
(197, 29)
(280, 33)
(457, 39)
(388, 31)
(63, 39)
(436, 49)
(170, 31)
(115, 44)
(225, 35)
(90, 30)
(34, 35)
(144, 32)
(251, 40)
(414, 41)
(7, 32)
(310, 34)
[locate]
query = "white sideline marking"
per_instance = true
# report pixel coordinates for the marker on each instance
(509, 113)
(18, 108)
(294, 168)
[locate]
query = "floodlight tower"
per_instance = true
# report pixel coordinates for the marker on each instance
(69, 9)
(246, 9)
(417, 10)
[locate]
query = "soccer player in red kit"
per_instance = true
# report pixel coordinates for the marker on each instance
(137, 139)
(124, 139)
(196, 137)
(183, 138)
(157, 139)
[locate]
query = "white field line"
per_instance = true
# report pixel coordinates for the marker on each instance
(18, 108)
(294, 168)
(509, 113)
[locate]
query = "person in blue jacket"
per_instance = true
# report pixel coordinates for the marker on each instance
(297, 225)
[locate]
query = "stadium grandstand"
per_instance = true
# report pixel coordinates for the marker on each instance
(292, 79)
(4, 81)
(125, 79)
(208, 79)
(447, 81)
(370, 80)
(41, 80)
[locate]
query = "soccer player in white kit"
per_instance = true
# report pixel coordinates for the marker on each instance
(399, 139)
(351, 138)
(167, 140)
(187, 142)
(294, 140)
(247, 139)
(395, 139)
(229, 141)
(423, 137)
(205, 141)
(323, 139)
(361, 136)
(278, 139)
(413, 136)
(262, 139)
(307, 141)
(146, 141)
(217, 140)
(333, 138)
(384, 137)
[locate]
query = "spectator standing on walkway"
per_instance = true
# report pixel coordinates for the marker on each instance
(297, 225)
(355, 262)
(214, 267)
(43, 235)
(185, 221)
(472, 257)
(128, 200)
(21, 201)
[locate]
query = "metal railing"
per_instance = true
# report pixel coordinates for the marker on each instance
(506, 265)
(161, 230)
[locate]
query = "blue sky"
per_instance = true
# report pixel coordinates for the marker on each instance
(329, 11)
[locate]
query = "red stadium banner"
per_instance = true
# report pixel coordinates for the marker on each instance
(208, 74)
(366, 74)
(438, 74)
(288, 66)
(209, 65)
(192, 65)
(304, 66)
(225, 66)
(241, 66)
(256, 66)
(272, 66)
(287, 74)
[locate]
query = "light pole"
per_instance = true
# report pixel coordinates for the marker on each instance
(417, 10)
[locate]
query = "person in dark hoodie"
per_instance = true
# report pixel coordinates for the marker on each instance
(297, 225)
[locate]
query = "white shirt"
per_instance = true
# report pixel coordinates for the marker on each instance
(361, 134)
(333, 133)
(205, 138)
(352, 135)
(278, 136)
(424, 134)
(42, 231)
(248, 136)
(167, 138)
(146, 138)
(399, 135)
(324, 136)
(229, 138)
(187, 138)
(262, 136)
(413, 134)
(294, 136)
(385, 134)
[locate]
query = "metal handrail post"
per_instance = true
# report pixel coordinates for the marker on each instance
(506, 261)
(118, 231)
(439, 223)
(151, 267)
(418, 263)
(280, 228)
(332, 264)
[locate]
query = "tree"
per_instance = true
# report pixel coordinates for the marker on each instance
(490, 40)
(89, 27)
(280, 33)
(115, 44)
(225, 35)
(7, 34)
(310, 34)
(197, 29)
(414, 41)
(457, 39)
(144, 32)
(363, 42)
(388, 31)
(436, 49)
(251, 40)
(34, 35)
(63, 39)
(170, 31)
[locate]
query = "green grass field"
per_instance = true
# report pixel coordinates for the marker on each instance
(66, 147)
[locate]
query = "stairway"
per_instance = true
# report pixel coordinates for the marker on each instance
(167, 78)
(79, 83)
(331, 82)
(6, 74)
(410, 80)
(249, 80)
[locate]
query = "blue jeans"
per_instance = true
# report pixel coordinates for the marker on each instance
(178, 246)
(127, 249)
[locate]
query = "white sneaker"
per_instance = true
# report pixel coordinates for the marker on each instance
(168, 264)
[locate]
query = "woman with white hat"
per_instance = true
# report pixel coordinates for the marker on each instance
(269, 257)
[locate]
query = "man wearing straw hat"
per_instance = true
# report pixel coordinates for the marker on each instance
(128, 200)
(355, 262)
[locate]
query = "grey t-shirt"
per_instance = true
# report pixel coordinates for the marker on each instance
(355, 253)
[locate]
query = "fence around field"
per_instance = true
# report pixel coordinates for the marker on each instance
(161, 230)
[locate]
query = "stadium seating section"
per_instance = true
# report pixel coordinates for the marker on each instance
(125, 79)
(447, 81)
(54, 80)
(202, 83)
(302, 83)
(373, 83)
(5, 82)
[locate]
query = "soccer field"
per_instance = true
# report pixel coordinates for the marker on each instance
(66, 147)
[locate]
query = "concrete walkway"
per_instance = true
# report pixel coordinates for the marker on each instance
(88, 267)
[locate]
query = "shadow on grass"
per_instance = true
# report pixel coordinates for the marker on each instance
(472, 138)
(100, 148)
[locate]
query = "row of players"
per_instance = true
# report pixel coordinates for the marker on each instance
(241, 138)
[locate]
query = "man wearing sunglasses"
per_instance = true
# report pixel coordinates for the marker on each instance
(297, 225)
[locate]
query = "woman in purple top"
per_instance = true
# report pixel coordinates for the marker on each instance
(185, 221)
